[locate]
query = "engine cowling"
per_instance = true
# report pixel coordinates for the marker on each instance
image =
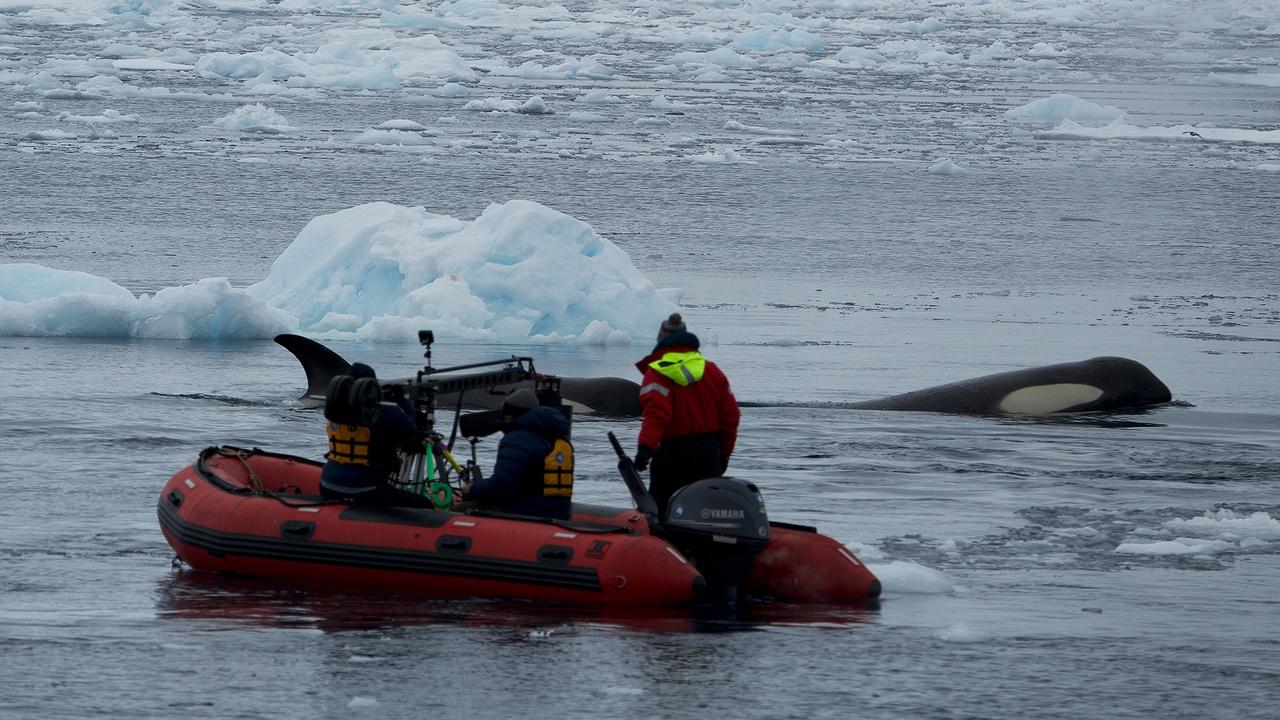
(721, 525)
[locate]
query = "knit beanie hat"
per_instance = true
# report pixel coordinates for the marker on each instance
(519, 402)
(672, 324)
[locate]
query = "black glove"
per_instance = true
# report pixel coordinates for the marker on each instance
(643, 456)
(724, 464)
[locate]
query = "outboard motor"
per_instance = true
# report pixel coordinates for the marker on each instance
(721, 525)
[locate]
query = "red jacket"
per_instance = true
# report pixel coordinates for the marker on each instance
(673, 411)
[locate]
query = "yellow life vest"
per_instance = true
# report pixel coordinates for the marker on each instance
(348, 444)
(684, 368)
(557, 470)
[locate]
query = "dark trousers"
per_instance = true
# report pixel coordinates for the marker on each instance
(681, 461)
(337, 482)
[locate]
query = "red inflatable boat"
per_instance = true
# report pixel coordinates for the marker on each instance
(257, 513)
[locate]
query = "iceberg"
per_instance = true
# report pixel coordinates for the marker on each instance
(40, 301)
(518, 272)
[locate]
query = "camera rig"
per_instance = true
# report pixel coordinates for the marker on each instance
(424, 391)
(425, 467)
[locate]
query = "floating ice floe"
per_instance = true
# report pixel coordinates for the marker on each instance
(1228, 524)
(107, 116)
(726, 156)
(124, 51)
(571, 69)
(411, 17)
(451, 89)
(255, 118)
(391, 137)
(518, 272)
(1045, 50)
(49, 135)
(1213, 532)
(1070, 130)
(400, 124)
(720, 57)
(368, 61)
(859, 57)
(533, 106)
(948, 167)
(46, 85)
(1177, 546)
(900, 576)
(149, 64)
(331, 5)
(597, 97)
(921, 27)
(662, 102)
(1061, 106)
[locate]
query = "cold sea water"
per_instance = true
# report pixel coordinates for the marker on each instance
(1104, 566)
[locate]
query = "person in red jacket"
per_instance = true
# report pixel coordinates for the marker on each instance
(690, 415)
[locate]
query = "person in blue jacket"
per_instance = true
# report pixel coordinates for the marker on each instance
(364, 434)
(533, 473)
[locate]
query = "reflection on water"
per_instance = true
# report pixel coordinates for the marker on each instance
(228, 602)
(1099, 420)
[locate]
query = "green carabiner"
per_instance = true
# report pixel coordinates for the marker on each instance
(441, 495)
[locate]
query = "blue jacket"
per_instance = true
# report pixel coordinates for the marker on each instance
(391, 429)
(516, 483)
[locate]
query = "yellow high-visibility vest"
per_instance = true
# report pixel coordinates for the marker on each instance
(684, 368)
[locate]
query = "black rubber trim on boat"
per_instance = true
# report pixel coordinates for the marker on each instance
(793, 526)
(396, 515)
(222, 544)
(574, 525)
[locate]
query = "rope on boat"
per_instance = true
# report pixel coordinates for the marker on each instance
(254, 481)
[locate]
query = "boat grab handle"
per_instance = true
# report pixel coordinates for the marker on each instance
(297, 529)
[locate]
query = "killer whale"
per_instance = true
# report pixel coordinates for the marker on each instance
(1095, 385)
(610, 396)
(1100, 384)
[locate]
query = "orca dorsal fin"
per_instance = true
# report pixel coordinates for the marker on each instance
(319, 363)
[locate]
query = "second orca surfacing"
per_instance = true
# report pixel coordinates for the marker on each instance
(1100, 384)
